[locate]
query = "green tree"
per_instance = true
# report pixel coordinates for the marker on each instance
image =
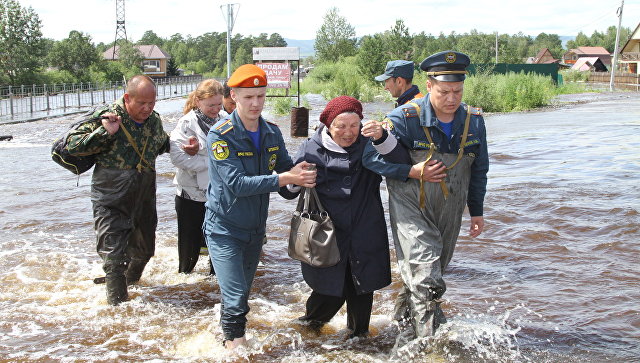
(371, 58)
(74, 54)
(276, 40)
(336, 38)
(581, 41)
(21, 45)
(549, 41)
(172, 68)
(150, 38)
(398, 42)
(130, 56)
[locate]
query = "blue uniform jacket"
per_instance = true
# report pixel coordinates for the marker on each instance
(242, 177)
(406, 122)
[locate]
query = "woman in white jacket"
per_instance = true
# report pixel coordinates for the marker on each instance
(192, 178)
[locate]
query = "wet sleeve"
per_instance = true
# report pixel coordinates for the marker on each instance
(479, 170)
(374, 161)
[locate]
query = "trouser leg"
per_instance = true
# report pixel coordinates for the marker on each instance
(358, 307)
(142, 242)
(320, 309)
(113, 231)
(235, 261)
(418, 247)
(190, 238)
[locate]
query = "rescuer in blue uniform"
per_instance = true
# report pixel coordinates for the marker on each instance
(433, 152)
(247, 161)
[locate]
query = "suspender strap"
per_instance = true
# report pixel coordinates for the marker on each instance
(135, 147)
(432, 147)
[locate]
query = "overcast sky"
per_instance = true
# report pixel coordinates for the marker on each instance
(301, 19)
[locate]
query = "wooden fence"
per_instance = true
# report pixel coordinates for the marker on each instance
(629, 81)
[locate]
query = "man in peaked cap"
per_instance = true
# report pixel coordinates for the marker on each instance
(434, 155)
(398, 79)
(245, 151)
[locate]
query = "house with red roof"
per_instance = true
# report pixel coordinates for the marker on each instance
(573, 55)
(154, 63)
(543, 57)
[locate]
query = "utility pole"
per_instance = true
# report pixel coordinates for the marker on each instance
(121, 31)
(615, 52)
(230, 19)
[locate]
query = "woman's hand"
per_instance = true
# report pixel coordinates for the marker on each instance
(372, 129)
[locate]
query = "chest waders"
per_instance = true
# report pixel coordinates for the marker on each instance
(426, 220)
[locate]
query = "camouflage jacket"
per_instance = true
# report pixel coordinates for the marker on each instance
(115, 151)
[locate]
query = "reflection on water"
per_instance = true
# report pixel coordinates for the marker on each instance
(553, 278)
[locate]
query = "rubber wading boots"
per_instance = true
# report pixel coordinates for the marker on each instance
(134, 270)
(116, 288)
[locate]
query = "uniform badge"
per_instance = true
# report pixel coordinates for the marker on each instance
(256, 81)
(450, 57)
(272, 161)
(220, 150)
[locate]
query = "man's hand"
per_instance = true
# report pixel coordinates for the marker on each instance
(302, 174)
(477, 225)
(434, 171)
(111, 122)
(372, 129)
(192, 147)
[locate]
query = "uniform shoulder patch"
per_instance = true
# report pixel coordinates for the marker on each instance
(410, 110)
(224, 127)
(475, 110)
(387, 124)
(220, 150)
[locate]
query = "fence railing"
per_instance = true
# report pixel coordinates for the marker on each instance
(26, 101)
(629, 81)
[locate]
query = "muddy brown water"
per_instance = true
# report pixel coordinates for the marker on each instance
(555, 277)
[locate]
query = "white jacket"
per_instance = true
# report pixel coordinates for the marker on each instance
(192, 174)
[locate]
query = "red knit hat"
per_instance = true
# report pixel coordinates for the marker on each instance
(340, 105)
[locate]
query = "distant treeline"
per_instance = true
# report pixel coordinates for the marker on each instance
(27, 57)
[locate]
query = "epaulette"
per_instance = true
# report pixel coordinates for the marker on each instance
(225, 127)
(411, 109)
(475, 110)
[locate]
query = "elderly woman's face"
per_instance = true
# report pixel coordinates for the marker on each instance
(345, 129)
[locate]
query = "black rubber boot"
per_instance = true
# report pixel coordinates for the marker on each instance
(134, 271)
(116, 288)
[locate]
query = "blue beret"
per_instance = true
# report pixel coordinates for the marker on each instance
(397, 68)
(447, 66)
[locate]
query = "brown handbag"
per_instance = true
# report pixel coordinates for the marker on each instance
(312, 238)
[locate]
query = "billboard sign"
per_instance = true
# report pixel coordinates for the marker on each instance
(278, 74)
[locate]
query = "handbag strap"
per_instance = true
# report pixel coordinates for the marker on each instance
(317, 200)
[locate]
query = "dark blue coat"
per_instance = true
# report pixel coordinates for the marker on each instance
(242, 177)
(351, 195)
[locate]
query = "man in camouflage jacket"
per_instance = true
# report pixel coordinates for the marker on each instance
(126, 139)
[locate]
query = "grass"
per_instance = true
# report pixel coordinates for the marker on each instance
(509, 92)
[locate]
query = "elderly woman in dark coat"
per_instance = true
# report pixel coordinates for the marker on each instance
(351, 195)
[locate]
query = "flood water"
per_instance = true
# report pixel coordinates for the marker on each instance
(555, 277)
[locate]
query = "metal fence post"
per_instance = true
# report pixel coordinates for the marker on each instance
(64, 96)
(103, 95)
(11, 101)
(78, 91)
(91, 90)
(33, 90)
(46, 95)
